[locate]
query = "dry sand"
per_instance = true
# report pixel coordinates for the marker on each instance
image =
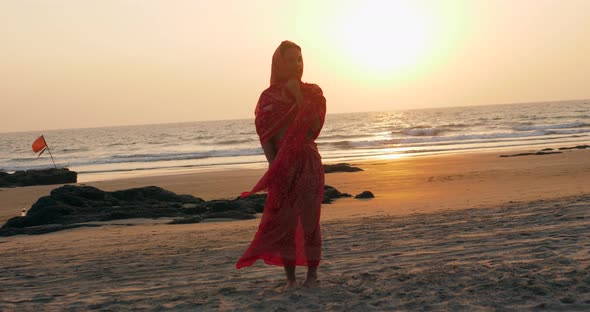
(474, 232)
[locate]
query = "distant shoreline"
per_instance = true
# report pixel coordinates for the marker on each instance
(86, 176)
(124, 173)
(470, 179)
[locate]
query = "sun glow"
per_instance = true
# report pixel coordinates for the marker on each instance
(383, 37)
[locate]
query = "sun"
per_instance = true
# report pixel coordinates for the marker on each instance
(383, 37)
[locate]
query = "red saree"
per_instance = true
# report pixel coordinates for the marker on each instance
(289, 231)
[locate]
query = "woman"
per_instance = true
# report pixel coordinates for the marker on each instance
(289, 117)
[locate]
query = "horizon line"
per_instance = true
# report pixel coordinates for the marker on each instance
(233, 119)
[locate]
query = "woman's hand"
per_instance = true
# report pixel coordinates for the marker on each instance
(292, 86)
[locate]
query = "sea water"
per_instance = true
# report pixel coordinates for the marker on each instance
(213, 145)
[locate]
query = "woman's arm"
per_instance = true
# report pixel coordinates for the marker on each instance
(269, 151)
(318, 97)
(315, 126)
(292, 86)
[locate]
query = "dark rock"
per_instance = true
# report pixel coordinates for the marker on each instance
(154, 194)
(231, 214)
(251, 204)
(16, 222)
(38, 177)
(46, 210)
(530, 154)
(548, 151)
(70, 205)
(516, 155)
(575, 147)
(220, 206)
(365, 194)
(86, 192)
(190, 199)
(254, 202)
(341, 167)
(331, 193)
(116, 215)
(192, 209)
(186, 220)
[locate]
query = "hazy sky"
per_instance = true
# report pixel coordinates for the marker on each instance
(77, 63)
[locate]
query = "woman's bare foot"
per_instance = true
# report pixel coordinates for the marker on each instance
(311, 283)
(290, 285)
(311, 280)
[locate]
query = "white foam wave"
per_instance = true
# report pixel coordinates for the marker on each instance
(423, 131)
(182, 156)
(147, 157)
(472, 138)
(480, 137)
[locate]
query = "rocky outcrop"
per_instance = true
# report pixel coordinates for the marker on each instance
(341, 167)
(365, 194)
(38, 177)
(331, 193)
(548, 151)
(574, 147)
(531, 154)
(72, 206)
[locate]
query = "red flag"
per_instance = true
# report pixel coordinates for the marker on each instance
(43, 150)
(39, 144)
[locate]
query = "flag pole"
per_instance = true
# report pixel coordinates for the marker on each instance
(49, 151)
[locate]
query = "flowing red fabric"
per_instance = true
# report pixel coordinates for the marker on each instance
(289, 231)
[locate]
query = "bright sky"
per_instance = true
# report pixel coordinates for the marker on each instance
(88, 63)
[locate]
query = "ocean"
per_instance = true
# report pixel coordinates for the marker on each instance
(126, 151)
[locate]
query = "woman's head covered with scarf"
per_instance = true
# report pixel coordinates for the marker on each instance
(286, 63)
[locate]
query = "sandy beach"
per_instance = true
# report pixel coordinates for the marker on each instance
(455, 136)
(471, 232)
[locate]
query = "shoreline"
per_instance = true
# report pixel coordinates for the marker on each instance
(425, 183)
(143, 172)
(103, 172)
